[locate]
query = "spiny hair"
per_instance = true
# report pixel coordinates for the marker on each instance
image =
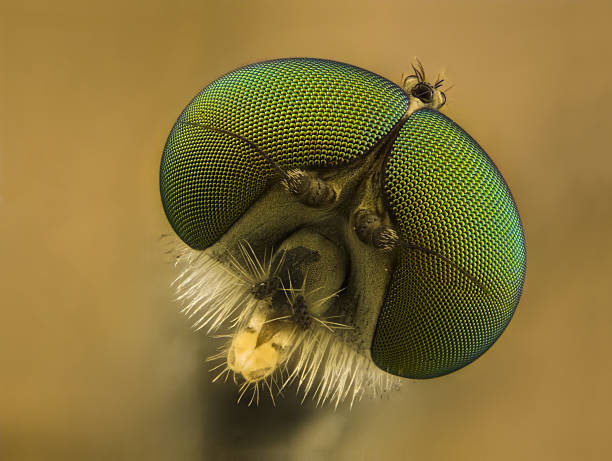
(217, 293)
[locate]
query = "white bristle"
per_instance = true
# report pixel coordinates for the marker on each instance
(321, 360)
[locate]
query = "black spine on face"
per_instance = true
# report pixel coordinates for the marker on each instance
(423, 91)
(300, 313)
(289, 273)
(266, 288)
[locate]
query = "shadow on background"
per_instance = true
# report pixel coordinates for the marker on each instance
(96, 362)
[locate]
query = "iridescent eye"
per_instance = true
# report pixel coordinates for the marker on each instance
(337, 229)
(445, 307)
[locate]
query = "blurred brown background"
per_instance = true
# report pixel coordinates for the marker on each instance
(95, 360)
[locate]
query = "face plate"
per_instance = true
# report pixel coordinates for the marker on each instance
(446, 195)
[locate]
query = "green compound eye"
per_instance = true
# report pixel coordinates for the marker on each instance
(299, 113)
(446, 195)
(340, 227)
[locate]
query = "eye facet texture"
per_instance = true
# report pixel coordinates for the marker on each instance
(301, 113)
(446, 195)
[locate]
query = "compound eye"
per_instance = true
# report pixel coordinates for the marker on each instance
(423, 91)
(436, 316)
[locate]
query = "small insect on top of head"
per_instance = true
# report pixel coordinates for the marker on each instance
(422, 93)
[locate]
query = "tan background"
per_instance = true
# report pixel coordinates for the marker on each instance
(96, 362)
